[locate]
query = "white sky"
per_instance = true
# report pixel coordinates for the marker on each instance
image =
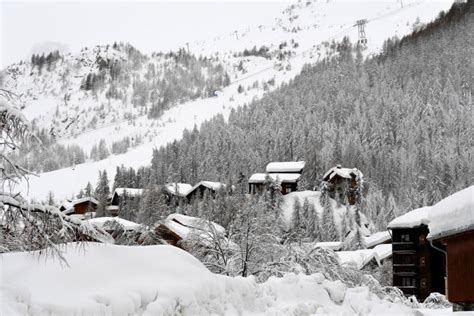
(26, 26)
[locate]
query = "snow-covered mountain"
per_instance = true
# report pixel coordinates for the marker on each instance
(72, 97)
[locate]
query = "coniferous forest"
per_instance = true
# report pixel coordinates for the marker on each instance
(403, 117)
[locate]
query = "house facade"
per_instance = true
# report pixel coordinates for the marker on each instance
(418, 268)
(343, 183)
(286, 174)
(451, 224)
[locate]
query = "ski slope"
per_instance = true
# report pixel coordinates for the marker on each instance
(308, 24)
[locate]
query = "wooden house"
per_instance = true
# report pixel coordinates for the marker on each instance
(203, 188)
(84, 205)
(120, 193)
(451, 223)
(177, 227)
(176, 192)
(343, 183)
(120, 197)
(418, 268)
(286, 174)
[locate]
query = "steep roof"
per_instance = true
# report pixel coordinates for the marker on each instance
(412, 219)
(183, 226)
(286, 166)
(85, 199)
(214, 186)
(346, 173)
(452, 215)
(277, 177)
(178, 189)
(377, 238)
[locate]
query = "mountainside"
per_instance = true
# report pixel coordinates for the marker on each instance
(112, 92)
(404, 118)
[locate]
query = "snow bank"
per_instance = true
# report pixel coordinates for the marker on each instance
(164, 280)
(452, 215)
(313, 198)
(414, 218)
(356, 258)
(102, 222)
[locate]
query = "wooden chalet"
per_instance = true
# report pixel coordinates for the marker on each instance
(177, 227)
(176, 192)
(343, 183)
(451, 224)
(121, 196)
(287, 174)
(418, 268)
(120, 193)
(84, 205)
(209, 188)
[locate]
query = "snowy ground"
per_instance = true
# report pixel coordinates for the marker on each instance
(306, 23)
(164, 280)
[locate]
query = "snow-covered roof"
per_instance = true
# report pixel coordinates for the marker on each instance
(358, 258)
(214, 186)
(412, 219)
(66, 205)
(178, 189)
(286, 166)
(333, 245)
(277, 177)
(346, 173)
(68, 211)
(101, 222)
(377, 238)
(382, 252)
(452, 215)
(183, 226)
(130, 191)
(112, 207)
(85, 199)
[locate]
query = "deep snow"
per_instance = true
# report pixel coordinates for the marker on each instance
(106, 279)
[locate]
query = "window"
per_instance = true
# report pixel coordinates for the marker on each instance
(405, 237)
(406, 281)
(422, 239)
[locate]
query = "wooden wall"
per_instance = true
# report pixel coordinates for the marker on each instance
(461, 267)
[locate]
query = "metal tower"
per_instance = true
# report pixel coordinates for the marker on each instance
(361, 26)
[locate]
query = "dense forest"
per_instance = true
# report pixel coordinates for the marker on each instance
(403, 117)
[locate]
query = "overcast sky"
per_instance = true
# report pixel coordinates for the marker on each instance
(33, 26)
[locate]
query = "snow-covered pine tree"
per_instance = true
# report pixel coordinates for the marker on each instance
(305, 215)
(313, 229)
(102, 192)
(328, 226)
(296, 222)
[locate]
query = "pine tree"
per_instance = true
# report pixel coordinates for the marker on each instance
(314, 229)
(88, 190)
(296, 220)
(328, 225)
(102, 192)
(50, 199)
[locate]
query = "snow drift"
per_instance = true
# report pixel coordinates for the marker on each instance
(106, 279)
